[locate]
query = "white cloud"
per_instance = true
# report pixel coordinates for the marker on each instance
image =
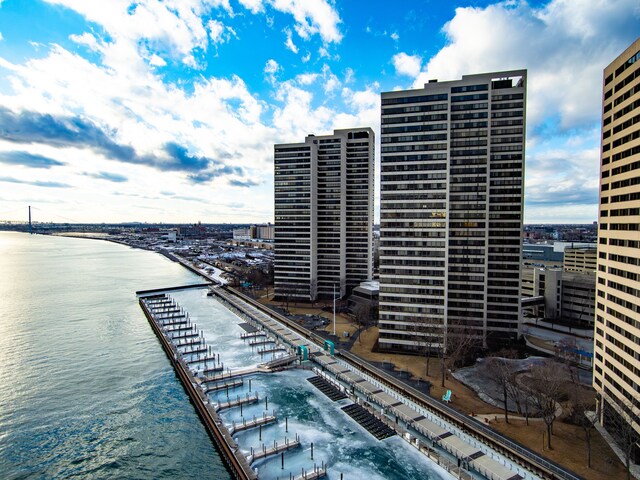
(306, 58)
(255, 6)
(407, 64)
(331, 82)
(306, 78)
(1, 37)
(175, 25)
(157, 61)
(349, 75)
(135, 108)
(289, 42)
(271, 66)
(297, 116)
(216, 29)
(86, 39)
(312, 17)
(219, 32)
(564, 45)
(394, 36)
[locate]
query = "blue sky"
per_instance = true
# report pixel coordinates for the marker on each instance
(168, 110)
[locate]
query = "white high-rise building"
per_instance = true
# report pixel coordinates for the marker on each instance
(452, 181)
(324, 214)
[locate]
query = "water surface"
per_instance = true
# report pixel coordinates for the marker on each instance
(87, 391)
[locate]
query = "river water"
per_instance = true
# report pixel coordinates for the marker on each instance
(87, 391)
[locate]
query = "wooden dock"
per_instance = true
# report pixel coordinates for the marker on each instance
(237, 402)
(187, 342)
(193, 351)
(222, 386)
(187, 334)
(318, 472)
(188, 327)
(279, 348)
(217, 369)
(235, 374)
(184, 321)
(200, 360)
(256, 422)
(265, 451)
(258, 333)
(168, 313)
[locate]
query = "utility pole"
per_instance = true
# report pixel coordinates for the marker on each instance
(30, 231)
(334, 309)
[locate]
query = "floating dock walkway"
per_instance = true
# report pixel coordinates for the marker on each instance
(274, 450)
(249, 399)
(223, 386)
(256, 422)
(258, 333)
(318, 472)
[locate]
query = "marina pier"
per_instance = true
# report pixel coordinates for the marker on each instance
(186, 347)
(380, 403)
(237, 464)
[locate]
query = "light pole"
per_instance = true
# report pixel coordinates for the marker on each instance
(334, 309)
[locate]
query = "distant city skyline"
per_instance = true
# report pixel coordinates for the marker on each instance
(168, 111)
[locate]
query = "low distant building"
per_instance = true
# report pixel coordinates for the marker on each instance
(242, 233)
(581, 259)
(254, 232)
(366, 294)
(264, 232)
(197, 230)
(541, 253)
(565, 296)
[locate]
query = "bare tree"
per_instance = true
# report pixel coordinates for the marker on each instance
(546, 388)
(501, 371)
(285, 292)
(428, 337)
(620, 421)
(362, 316)
(583, 414)
(460, 347)
(525, 401)
(583, 404)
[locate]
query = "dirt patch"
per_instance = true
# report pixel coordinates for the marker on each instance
(569, 447)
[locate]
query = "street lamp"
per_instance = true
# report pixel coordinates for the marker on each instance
(334, 309)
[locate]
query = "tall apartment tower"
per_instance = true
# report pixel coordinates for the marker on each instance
(324, 214)
(451, 211)
(616, 372)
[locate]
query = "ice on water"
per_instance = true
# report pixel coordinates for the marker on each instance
(338, 441)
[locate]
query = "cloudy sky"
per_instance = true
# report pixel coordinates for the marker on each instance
(168, 111)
